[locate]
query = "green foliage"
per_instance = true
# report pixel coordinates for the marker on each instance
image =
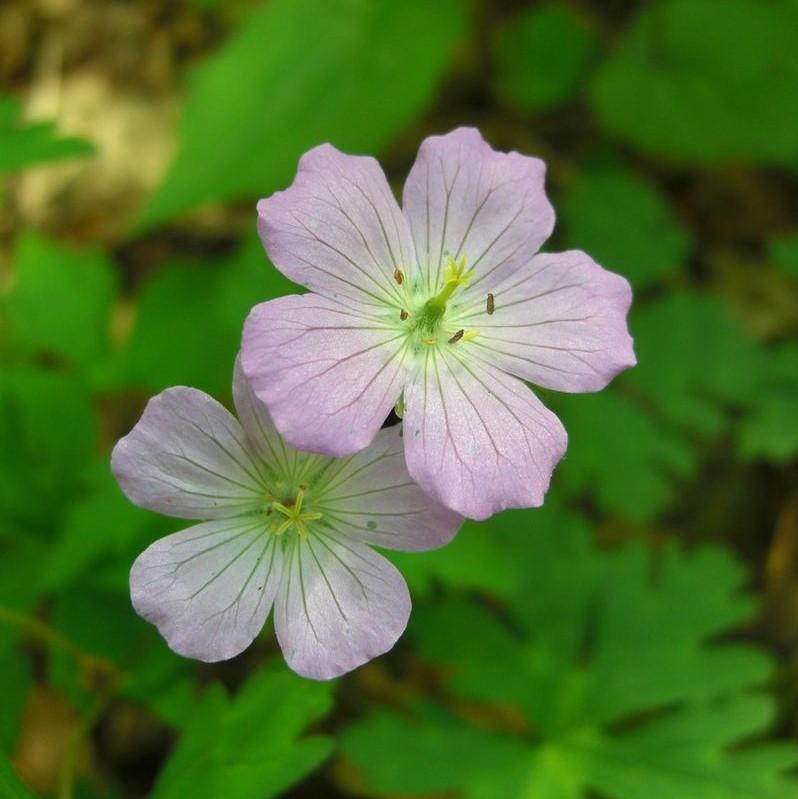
(770, 431)
(626, 225)
(24, 145)
(250, 747)
(189, 317)
(622, 457)
(61, 301)
(11, 786)
(603, 675)
(685, 345)
(541, 55)
(784, 253)
(299, 73)
(47, 430)
(705, 81)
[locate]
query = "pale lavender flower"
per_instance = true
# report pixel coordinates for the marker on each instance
(441, 306)
(282, 528)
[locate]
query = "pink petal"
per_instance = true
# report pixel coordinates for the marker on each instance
(188, 457)
(260, 429)
(209, 588)
(477, 439)
(560, 322)
(464, 198)
(370, 497)
(328, 375)
(338, 229)
(340, 604)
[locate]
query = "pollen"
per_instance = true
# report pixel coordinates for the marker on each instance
(398, 276)
(457, 336)
(403, 314)
(491, 304)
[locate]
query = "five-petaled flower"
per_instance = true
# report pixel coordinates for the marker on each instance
(440, 306)
(283, 528)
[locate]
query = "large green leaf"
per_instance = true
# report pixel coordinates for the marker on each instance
(685, 345)
(250, 747)
(11, 787)
(626, 225)
(619, 455)
(299, 73)
(541, 54)
(61, 300)
(603, 674)
(47, 432)
(706, 81)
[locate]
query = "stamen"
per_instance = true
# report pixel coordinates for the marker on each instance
(491, 304)
(403, 314)
(398, 276)
(457, 336)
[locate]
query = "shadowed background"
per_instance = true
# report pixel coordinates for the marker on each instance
(635, 638)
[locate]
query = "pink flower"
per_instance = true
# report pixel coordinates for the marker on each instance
(282, 528)
(443, 306)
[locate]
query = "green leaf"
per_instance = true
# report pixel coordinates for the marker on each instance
(250, 747)
(603, 675)
(100, 524)
(17, 680)
(473, 561)
(784, 253)
(299, 73)
(11, 786)
(24, 145)
(705, 81)
(617, 454)
(541, 56)
(61, 300)
(770, 431)
(47, 433)
(684, 346)
(626, 225)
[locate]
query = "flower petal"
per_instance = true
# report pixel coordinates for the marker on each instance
(188, 457)
(329, 376)
(337, 229)
(477, 439)
(340, 605)
(560, 323)
(370, 497)
(464, 198)
(209, 588)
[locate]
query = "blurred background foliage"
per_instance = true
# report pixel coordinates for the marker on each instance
(637, 638)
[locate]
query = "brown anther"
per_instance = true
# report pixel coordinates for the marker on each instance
(491, 307)
(457, 336)
(403, 314)
(398, 276)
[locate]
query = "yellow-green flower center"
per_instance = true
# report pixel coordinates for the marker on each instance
(294, 515)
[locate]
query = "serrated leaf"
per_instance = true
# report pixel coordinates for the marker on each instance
(61, 300)
(541, 55)
(299, 73)
(603, 675)
(705, 81)
(626, 225)
(250, 747)
(770, 429)
(22, 145)
(685, 344)
(618, 455)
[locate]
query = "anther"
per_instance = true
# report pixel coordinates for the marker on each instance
(457, 336)
(398, 276)
(491, 307)
(403, 314)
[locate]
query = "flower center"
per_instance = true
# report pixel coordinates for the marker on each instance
(294, 516)
(426, 321)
